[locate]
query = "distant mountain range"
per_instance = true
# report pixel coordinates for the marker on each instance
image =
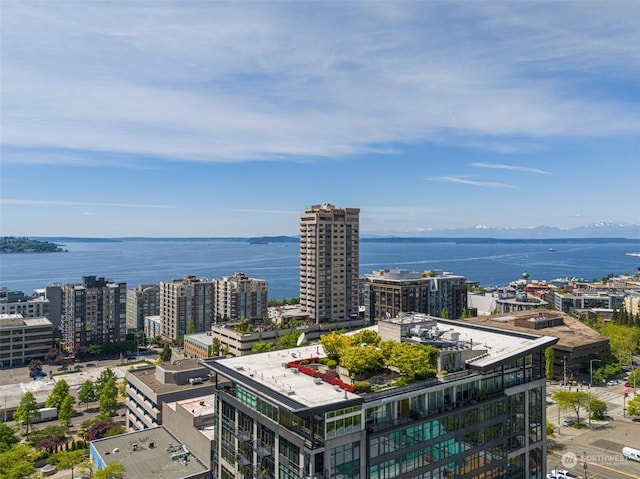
(598, 230)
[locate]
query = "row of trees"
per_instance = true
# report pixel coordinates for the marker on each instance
(104, 390)
(17, 459)
(364, 353)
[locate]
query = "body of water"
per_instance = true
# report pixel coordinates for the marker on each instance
(491, 263)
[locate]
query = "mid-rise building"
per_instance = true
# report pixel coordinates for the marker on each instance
(16, 302)
(390, 292)
(23, 339)
(329, 262)
(142, 301)
(149, 387)
(240, 297)
(183, 302)
(287, 415)
(94, 311)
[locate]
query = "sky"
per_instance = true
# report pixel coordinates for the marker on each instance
(173, 118)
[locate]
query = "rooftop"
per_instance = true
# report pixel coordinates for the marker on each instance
(268, 373)
(149, 453)
(17, 320)
(571, 333)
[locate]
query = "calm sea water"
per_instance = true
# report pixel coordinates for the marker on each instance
(151, 261)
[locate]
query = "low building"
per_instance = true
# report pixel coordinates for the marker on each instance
(23, 339)
(149, 387)
(193, 422)
(514, 302)
(152, 453)
(577, 343)
(198, 346)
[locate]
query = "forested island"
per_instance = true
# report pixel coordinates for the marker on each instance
(11, 244)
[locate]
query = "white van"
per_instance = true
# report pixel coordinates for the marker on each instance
(631, 453)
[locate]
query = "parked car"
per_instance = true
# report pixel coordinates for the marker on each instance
(612, 383)
(561, 474)
(568, 422)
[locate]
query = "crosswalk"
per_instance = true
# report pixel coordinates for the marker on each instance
(613, 397)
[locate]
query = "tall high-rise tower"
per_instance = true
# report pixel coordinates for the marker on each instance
(329, 262)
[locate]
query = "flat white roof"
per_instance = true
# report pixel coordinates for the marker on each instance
(268, 370)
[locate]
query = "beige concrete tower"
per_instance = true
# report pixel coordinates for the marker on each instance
(329, 262)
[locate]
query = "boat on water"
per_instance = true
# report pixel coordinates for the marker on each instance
(551, 250)
(637, 255)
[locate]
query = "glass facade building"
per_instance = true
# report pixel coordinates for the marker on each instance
(484, 419)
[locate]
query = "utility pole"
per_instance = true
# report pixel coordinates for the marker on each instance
(564, 371)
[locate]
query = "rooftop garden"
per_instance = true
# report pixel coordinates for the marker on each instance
(363, 362)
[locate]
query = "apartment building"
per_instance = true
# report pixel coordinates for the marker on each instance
(149, 387)
(16, 302)
(23, 339)
(142, 301)
(390, 292)
(280, 416)
(329, 262)
(185, 301)
(240, 297)
(94, 311)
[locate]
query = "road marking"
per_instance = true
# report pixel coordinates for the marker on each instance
(632, 476)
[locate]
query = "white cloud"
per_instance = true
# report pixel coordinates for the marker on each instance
(464, 181)
(524, 169)
(222, 82)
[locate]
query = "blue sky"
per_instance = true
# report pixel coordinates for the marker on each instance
(230, 118)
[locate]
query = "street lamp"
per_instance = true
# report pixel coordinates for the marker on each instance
(591, 384)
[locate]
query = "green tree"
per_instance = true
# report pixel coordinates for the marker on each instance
(551, 429)
(122, 388)
(362, 360)
(16, 462)
(289, 340)
(102, 379)
(367, 336)
(215, 347)
(66, 411)
(27, 412)
(68, 459)
(549, 358)
(413, 360)
(225, 350)
(334, 344)
(8, 437)
(633, 407)
(444, 314)
(597, 408)
(634, 378)
(262, 347)
(108, 399)
(572, 400)
(96, 349)
(113, 470)
(58, 393)
(165, 355)
(191, 326)
(87, 393)
(465, 314)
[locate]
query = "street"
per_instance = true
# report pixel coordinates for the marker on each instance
(598, 445)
